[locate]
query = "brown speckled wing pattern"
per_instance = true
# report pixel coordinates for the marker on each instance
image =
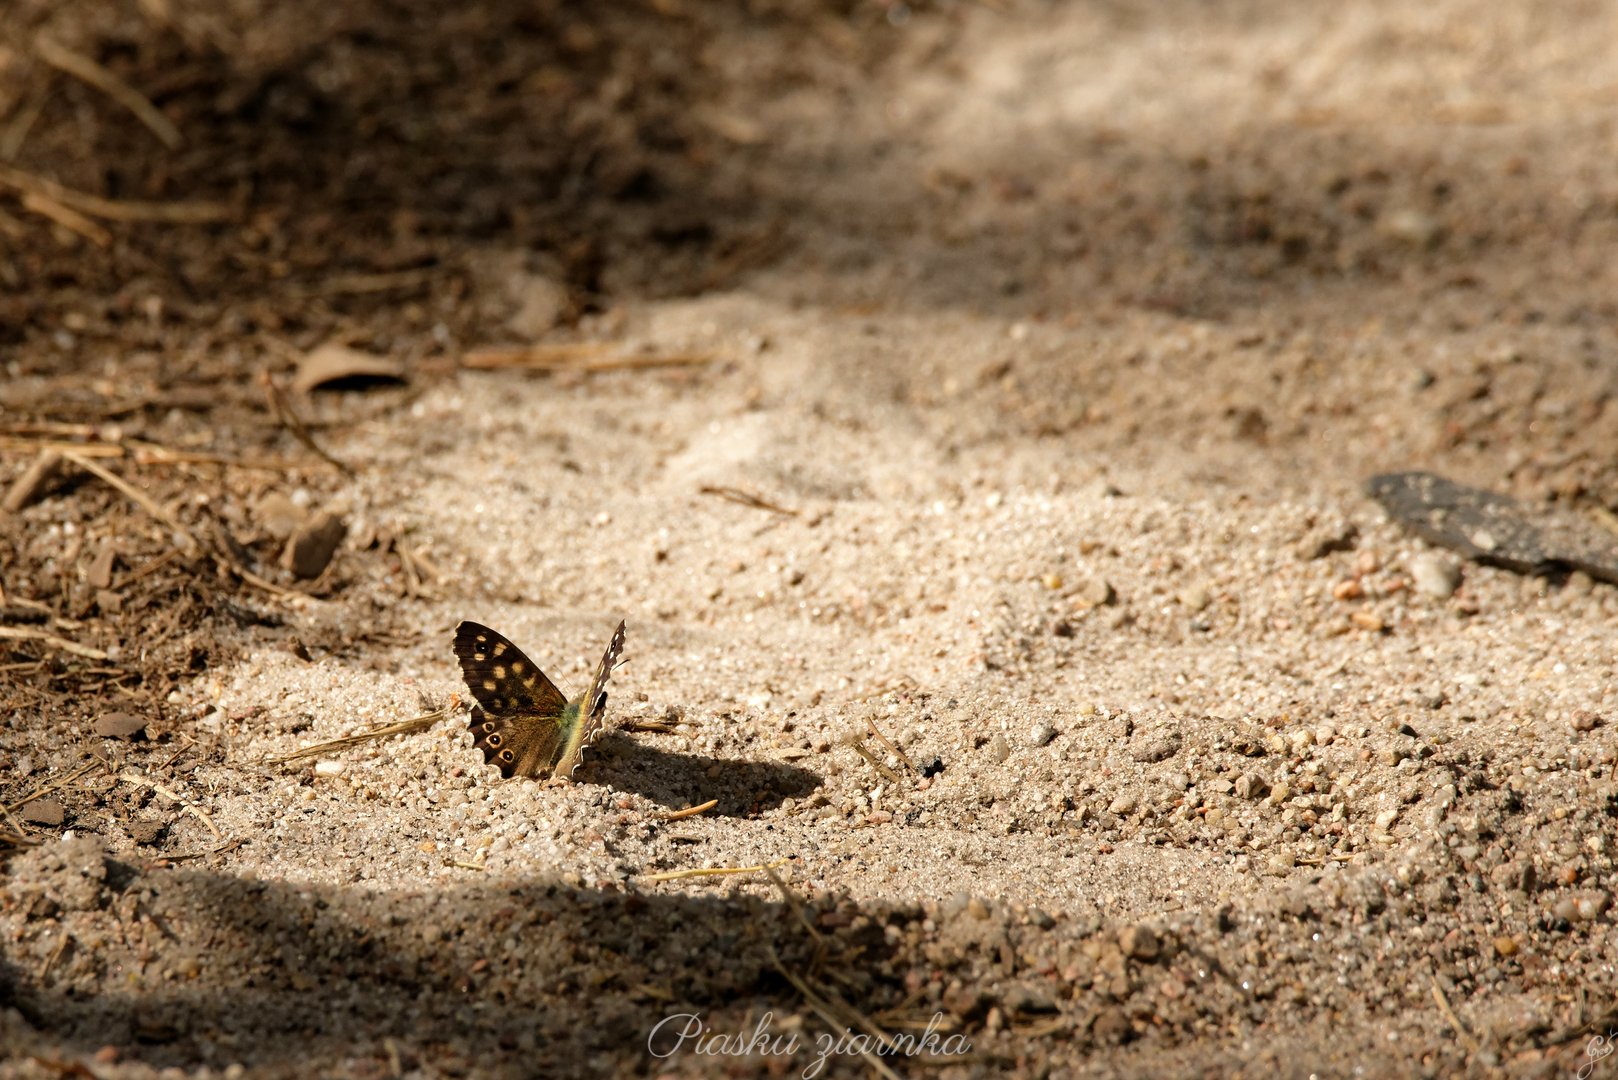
(518, 721)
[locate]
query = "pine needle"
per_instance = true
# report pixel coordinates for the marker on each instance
(716, 871)
(403, 727)
(691, 811)
(132, 777)
(86, 70)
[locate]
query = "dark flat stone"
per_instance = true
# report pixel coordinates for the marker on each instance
(1495, 529)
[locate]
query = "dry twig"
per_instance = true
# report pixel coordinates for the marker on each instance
(715, 871)
(145, 452)
(792, 901)
(403, 727)
(858, 746)
(48, 446)
(56, 954)
(55, 785)
(86, 70)
(746, 498)
(361, 284)
(67, 218)
(130, 776)
(1443, 1004)
(889, 743)
(691, 811)
(824, 1009)
(18, 836)
(145, 502)
(152, 566)
(177, 213)
(22, 633)
(289, 419)
(587, 356)
(220, 849)
(22, 122)
(133, 494)
(650, 727)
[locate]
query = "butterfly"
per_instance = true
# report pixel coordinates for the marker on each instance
(521, 722)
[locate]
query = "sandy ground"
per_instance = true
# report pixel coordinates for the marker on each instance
(1087, 326)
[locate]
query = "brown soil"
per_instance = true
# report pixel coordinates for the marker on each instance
(969, 409)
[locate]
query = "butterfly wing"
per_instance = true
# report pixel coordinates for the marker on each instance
(591, 709)
(520, 721)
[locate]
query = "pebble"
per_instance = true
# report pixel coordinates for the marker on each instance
(1195, 598)
(146, 832)
(119, 725)
(277, 514)
(1042, 734)
(310, 549)
(1368, 620)
(1159, 749)
(1094, 592)
(1590, 904)
(1123, 804)
(1434, 575)
(999, 750)
(43, 812)
(1139, 943)
(330, 768)
(1024, 998)
(99, 573)
(1111, 1027)
(1413, 227)
(1252, 786)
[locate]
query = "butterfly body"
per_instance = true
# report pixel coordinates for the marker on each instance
(522, 722)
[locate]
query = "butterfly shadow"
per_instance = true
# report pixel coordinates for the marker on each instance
(743, 788)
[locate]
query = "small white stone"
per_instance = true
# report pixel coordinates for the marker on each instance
(330, 768)
(1434, 575)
